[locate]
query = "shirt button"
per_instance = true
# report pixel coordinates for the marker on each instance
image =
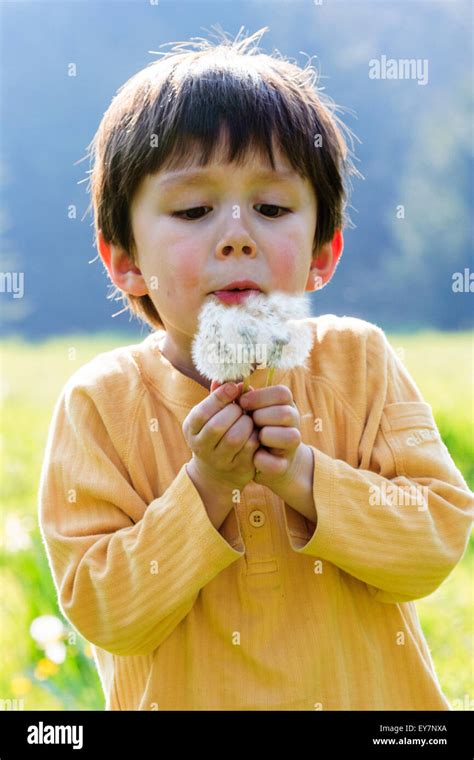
(257, 518)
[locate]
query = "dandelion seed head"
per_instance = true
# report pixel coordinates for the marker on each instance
(264, 330)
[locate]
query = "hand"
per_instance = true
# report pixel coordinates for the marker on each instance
(275, 413)
(222, 438)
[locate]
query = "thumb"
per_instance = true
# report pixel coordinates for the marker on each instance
(214, 384)
(231, 390)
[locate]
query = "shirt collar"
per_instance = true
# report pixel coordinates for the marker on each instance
(176, 389)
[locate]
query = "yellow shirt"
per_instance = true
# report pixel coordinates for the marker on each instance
(266, 613)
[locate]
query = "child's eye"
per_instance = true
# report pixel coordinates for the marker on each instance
(272, 206)
(179, 214)
(192, 216)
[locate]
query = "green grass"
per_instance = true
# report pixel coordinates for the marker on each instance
(32, 376)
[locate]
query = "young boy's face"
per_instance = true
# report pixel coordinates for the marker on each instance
(198, 229)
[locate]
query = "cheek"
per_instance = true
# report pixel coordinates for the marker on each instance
(285, 266)
(173, 258)
(183, 271)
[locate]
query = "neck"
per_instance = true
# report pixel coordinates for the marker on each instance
(181, 359)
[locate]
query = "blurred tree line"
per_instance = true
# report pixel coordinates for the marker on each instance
(412, 211)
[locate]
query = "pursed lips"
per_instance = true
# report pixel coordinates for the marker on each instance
(239, 285)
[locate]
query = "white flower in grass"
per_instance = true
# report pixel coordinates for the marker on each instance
(47, 630)
(16, 536)
(56, 651)
(262, 331)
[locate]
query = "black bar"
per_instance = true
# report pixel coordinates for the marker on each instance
(314, 734)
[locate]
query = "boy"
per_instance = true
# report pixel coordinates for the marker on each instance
(229, 551)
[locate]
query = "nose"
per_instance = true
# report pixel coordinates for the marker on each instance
(237, 243)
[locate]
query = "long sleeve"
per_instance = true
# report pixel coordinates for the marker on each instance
(126, 572)
(400, 521)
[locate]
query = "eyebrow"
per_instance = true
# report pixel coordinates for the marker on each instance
(196, 178)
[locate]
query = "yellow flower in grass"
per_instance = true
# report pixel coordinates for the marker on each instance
(20, 685)
(45, 668)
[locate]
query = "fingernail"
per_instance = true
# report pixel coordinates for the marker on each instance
(230, 389)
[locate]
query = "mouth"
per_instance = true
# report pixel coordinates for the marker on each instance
(236, 292)
(234, 296)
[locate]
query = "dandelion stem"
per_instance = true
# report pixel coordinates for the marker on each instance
(270, 374)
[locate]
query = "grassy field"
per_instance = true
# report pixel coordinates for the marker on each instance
(47, 668)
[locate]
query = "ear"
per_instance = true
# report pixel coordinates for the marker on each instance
(122, 271)
(324, 262)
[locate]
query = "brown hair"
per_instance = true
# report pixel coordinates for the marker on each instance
(171, 114)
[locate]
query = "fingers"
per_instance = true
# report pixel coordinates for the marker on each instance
(249, 448)
(217, 427)
(267, 464)
(285, 415)
(273, 395)
(216, 384)
(235, 438)
(280, 437)
(214, 403)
